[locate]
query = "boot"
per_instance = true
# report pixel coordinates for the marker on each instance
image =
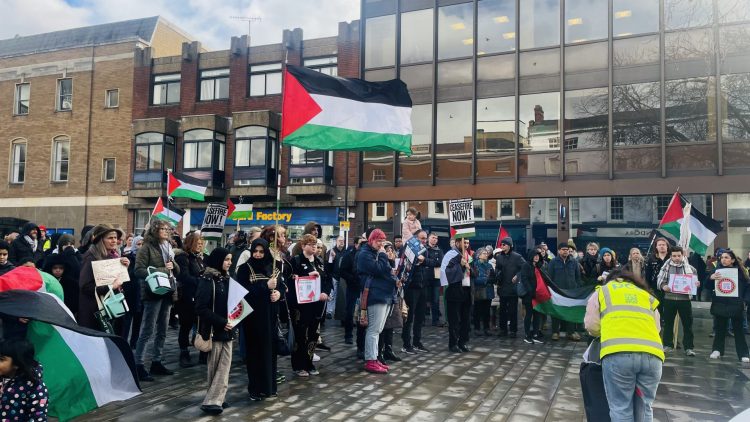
(388, 354)
(185, 359)
(381, 359)
(158, 369)
(143, 374)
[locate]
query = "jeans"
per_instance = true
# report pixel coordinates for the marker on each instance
(331, 305)
(376, 316)
(508, 314)
(671, 309)
(153, 328)
(740, 344)
(435, 305)
(482, 314)
(416, 301)
(623, 373)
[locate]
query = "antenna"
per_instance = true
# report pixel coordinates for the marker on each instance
(248, 19)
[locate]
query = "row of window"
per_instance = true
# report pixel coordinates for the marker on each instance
(63, 97)
(59, 164)
(264, 79)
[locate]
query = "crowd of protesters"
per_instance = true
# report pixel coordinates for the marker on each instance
(373, 286)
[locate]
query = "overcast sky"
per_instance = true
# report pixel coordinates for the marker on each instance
(207, 20)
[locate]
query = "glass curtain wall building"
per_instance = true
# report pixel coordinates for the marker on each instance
(592, 105)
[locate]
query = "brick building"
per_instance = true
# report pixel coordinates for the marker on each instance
(215, 116)
(65, 119)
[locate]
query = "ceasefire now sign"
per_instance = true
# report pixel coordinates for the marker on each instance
(461, 217)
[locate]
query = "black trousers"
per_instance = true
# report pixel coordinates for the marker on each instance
(532, 320)
(385, 342)
(508, 313)
(305, 340)
(740, 344)
(682, 307)
(482, 314)
(416, 301)
(186, 312)
(458, 322)
(351, 300)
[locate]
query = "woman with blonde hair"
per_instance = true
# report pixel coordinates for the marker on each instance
(636, 263)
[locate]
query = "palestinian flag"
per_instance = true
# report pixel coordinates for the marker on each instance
(703, 230)
(171, 214)
(242, 212)
(83, 369)
(565, 304)
(185, 187)
(322, 112)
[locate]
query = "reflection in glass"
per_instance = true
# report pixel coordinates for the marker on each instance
(454, 73)
(689, 113)
(586, 57)
(380, 41)
(631, 160)
(496, 68)
(735, 107)
(586, 162)
(454, 140)
(495, 125)
(377, 168)
(585, 20)
(419, 165)
(538, 122)
(690, 53)
(455, 31)
(687, 13)
(540, 23)
(691, 157)
(734, 41)
(636, 51)
(542, 62)
(586, 118)
(634, 17)
(416, 36)
(417, 77)
(380, 75)
(496, 26)
(636, 114)
(733, 11)
(737, 154)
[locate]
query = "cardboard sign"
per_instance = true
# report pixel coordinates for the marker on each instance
(461, 217)
(683, 284)
(728, 285)
(213, 220)
(308, 289)
(106, 271)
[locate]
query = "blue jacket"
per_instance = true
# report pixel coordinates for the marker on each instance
(374, 272)
(565, 274)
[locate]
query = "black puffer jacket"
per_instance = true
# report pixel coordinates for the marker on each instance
(506, 267)
(21, 251)
(423, 273)
(211, 305)
(728, 307)
(348, 270)
(192, 268)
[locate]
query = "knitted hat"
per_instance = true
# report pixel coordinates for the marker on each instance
(376, 234)
(507, 241)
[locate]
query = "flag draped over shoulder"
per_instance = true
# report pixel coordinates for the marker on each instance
(702, 229)
(565, 304)
(322, 112)
(83, 369)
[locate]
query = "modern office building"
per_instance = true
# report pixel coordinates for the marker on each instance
(564, 118)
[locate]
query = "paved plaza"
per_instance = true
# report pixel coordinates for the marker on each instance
(499, 380)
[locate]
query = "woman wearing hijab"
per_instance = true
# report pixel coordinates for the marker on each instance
(260, 278)
(211, 307)
(103, 245)
(276, 238)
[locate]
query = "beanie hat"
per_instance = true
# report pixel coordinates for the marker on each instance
(507, 241)
(602, 251)
(376, 234)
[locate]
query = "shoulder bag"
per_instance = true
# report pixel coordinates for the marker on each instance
(200, 343)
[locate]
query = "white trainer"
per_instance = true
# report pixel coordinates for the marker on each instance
(714, 355)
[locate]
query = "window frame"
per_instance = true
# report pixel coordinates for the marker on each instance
(574, 210)
(432, 210)
(141, 216)
(610, 209)
(657, 215)
(380, 175)
(268, 160)
(56, 172)
(17, 100)
(323, 66)
(59, 97)
(163, 143)
(104, 169)
(13, 164)
(500, 215)
(482, 205)
(107, 98)
(375, 215)
(217, 146)
(265, 74)
(167, 83)
(213, 79)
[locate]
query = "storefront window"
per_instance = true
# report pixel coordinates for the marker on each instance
(738, 209)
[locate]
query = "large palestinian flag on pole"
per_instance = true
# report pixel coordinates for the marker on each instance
(185, 187)
(702, 229)
(565, 304)
(83, 369)
(322, 112)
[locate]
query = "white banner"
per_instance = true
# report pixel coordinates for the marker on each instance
(213, 221)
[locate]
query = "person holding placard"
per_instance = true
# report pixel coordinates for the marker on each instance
(455, 272)
(674, 270)
(730, 281)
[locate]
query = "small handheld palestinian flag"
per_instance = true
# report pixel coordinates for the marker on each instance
(171, 214)
(322, 112)
(702, 229)
(185, 187)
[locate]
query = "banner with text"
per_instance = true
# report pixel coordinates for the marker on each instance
(213, 220)
(461, 216)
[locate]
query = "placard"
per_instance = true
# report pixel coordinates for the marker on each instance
(683, 284)
(728, 285)
(106, 271)
(213, 220)
(461, 217)
(413, 249)
(239, 313)
(308, 289)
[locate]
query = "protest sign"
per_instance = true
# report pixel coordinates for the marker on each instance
(213, 221)
(728, 285)
(106, 271)
(308, 289)
(683, 284)
(461, 217)
(413, 249)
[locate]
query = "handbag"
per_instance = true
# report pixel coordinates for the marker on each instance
(200, 343)
(396, 317)
(114, 304)
(158, 282)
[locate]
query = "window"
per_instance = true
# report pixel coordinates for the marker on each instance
(378, 175)
(379, 211)
(662, 203)
(64, 94)
(380, 42)
(538, 121)
(575, 210)
(506, 207)
(437, 209)
(496, 24)
(154, 152)
(540, 23)
(552, 211)
(108, 170)
(735, 109)
(689, 109)
(18, 162)
(166, 89)
(265, 79)
(416, 36)
(201, 147)
(634, 17)
(709, 206)
(60, 158)
(585, 20)
(635, 110)
(141, 221)
(586, 118)
(21, 104)
(214, 84)
(307, 157)
(455, 31)
(616, 208)
(684, 14)
(250, 149)
(325, 65)
(495, 125)
(112, 98)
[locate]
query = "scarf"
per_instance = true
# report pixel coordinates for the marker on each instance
(636, 267)
(166, 251)
(32, 242)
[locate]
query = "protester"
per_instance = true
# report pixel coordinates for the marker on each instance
(103, 246)
(158, 255)
(190, 261)
(65, 267)
(311, 228)
(625, 315)
(410, 225)
(26, 250)
(636, 264)
(590, 264)
(565, 274)
(416, 293)
(128, 245)
(484, 291)
(674, 303)
(348, 272)
(24, 395)
(507, 265)
(654, 264)
(131, 321)
(724, 308)
(306, 317)
(531, 275)
(211, 307)
(5, 264)
(332, 264)
(434, 254)
(379, 286)
(237, 249)
(607, 264)
(395, 317)
(455, 273)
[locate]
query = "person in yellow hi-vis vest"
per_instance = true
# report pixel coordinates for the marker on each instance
(623, 313)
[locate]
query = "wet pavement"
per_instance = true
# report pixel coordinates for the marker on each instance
(499, 380)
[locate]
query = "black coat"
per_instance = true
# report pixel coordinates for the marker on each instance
(653, 266)
(211, 305)
(307, 312)
(348, 270)
(728, 306)
(507, 266)
(21, 252)
(192, 268)
(69, 281)
(423, 273)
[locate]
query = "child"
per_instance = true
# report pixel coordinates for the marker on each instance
(24, 395)
(5, 265)
(676, 303)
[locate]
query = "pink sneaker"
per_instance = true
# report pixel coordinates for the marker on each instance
(381, 364)
(372, 367)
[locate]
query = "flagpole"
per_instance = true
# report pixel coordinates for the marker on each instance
(169, 173)
(278, 164)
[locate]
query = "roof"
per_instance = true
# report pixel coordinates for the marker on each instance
(108, 33)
